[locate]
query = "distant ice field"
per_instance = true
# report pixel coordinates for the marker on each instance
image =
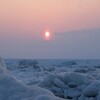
(32, 71)
(51, 79)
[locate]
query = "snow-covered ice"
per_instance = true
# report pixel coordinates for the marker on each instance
(50, 79)
(12, 89)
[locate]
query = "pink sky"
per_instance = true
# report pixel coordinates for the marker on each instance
(26, 20)
(56, 15)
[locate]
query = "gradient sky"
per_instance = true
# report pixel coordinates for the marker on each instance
(74, 25)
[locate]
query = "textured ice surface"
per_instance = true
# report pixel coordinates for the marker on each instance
(69, 79)
(12, 89)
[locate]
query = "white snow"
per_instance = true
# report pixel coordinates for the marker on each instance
(12, 89)
(77, 78)
(72, 92)
(59, 83)
(68, 85)
(69, 80)
(92, 90)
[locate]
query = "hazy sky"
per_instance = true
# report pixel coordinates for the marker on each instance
(74, 25)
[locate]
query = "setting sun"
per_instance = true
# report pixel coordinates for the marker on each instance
(47, 35)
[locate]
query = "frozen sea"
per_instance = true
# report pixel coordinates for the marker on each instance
(51, 79)
(30, 74)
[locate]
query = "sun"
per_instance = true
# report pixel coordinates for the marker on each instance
(47, 35)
